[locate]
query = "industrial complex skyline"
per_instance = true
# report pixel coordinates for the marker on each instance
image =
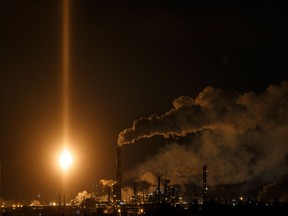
(142, 90)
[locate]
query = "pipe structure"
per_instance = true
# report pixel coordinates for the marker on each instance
(118, 186)
(108, 194)
(205, 188)
(158, 190)
(0, 180)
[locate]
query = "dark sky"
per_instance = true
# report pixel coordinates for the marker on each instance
(130, 60)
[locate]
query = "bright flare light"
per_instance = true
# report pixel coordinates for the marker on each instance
(65, 160)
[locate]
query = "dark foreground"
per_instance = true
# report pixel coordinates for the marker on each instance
(151, 210)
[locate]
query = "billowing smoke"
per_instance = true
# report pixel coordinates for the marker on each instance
(277, 189)
(107, 182)
(240, 137)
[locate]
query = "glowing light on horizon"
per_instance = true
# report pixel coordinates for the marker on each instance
(65, 160)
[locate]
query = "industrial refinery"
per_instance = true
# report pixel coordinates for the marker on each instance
(164, 200)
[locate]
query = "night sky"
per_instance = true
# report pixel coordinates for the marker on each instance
(202, 83)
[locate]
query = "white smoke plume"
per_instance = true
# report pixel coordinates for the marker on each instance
(239, 136)
(81, 196)
(107, 182)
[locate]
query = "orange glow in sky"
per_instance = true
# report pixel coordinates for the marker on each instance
(65, 160)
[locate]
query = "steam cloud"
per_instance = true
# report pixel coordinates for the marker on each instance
(240, 137)
(107, 182)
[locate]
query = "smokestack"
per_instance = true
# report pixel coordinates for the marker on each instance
(158, 190)
(205, 188)
(195, 195)
(108, 194)
(118, 185)
(134, 189)
(173, 195)
(166, 181)
(59, 197)
(0, 180)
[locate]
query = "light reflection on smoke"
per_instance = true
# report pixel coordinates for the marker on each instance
(239, 136)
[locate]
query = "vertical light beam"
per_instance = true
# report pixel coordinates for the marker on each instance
(65, 85)
(65, 71)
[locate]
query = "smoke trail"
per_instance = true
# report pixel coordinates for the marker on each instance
(239, 137)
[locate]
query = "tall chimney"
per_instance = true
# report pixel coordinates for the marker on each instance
(118, 185)
(195, 199)
(59, 197)
(108, 194)
(158, 190)
(205, 188)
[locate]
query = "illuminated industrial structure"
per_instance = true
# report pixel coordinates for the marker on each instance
(164, 200)
(118, 185)
(205, 187)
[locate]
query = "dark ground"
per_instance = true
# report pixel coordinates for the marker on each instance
(211, 208)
